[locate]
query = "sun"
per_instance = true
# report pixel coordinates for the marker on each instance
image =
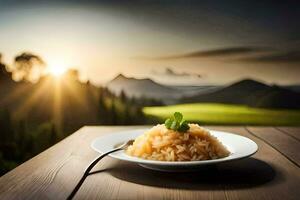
(57, 70)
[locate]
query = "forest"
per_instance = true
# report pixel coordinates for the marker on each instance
(38, 110)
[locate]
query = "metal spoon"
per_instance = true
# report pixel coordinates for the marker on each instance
(94, 162)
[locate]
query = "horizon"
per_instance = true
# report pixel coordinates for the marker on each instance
(60, 75)
(226, 84)
(82, 78)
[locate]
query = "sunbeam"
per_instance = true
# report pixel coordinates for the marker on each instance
(57, 105)
(32, 99)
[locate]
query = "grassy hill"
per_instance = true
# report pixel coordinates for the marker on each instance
(215, 113)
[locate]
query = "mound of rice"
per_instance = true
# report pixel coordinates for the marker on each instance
(160, 143)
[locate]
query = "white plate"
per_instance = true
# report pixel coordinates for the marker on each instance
(239, 146)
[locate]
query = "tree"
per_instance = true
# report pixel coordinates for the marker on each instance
(53, 135)
(21, 138)
(6, 133)
(2, 65)
(28, 66)
(4, 74)
(123, 96)
(102, 109)
(113, 113)
(7, 136)
(72, 75)
(127, 115)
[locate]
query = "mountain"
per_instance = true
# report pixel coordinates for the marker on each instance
(246, 92)
(252, 93)
(191, 90)
(148, 88)
(142, 88)
(295, 88)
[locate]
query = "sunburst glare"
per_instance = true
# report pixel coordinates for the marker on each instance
(57, 70)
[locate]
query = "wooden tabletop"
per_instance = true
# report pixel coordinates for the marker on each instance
(272, 173)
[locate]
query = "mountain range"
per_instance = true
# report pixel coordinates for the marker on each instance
(142, 88)
(251, 93)
(134, 87)
(245, 92)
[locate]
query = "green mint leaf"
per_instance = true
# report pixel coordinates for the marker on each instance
(183, 127)
(174, 125)
(168, 123)
(178, 116)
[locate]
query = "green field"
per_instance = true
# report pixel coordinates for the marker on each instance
(224, 114)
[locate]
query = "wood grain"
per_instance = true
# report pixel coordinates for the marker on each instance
(286, 174)
(291, 131)
(269, 174)
(53, 173)
(287, 145)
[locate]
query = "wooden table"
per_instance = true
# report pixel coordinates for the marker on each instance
(272, 173)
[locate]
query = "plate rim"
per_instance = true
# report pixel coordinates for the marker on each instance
(172, 163)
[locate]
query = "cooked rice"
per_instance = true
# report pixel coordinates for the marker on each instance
(160, 143)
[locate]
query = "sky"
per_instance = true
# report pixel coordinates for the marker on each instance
(173, 42)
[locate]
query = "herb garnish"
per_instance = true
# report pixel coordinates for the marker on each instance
(177, 123)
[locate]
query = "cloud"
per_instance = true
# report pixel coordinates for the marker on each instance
(171, 73)
(245, 54)
(284, 57)
(222, 52)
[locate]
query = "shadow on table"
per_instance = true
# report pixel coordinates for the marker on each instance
(245, 173)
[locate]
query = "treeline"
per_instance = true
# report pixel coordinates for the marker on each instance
(42, 121)
(122, 110)
(21, 141)
(118, 110)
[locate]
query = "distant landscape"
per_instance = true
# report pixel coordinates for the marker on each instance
(246, 102)
(53, 107)
(34, 115)
(246, 92)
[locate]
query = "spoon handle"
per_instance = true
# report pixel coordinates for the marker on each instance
(96, 160)
(88, 169)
